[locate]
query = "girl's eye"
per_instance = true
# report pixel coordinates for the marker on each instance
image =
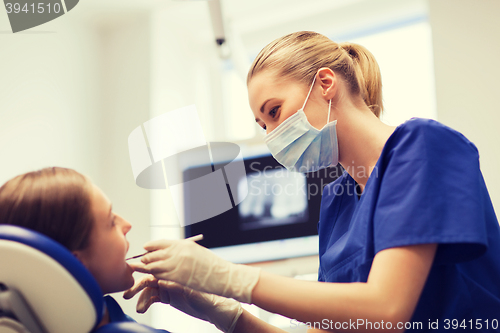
(113, 221)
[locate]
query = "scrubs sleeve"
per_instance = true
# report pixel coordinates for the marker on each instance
(320, 276)
(430, 192)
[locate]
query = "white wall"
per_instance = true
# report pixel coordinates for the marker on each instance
(124, 94)
(48, 102)
(466, 42)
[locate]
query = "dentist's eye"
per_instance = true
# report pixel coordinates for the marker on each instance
(274, 111)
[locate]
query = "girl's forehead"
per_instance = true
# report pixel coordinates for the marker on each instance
(100, 202)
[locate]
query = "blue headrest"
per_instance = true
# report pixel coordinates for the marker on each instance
(127, 327)
(32, 258)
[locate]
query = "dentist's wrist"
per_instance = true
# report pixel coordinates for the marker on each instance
(225, 313)
(241, 282)
(235, 319)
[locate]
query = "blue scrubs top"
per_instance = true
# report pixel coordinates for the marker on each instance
(425, 188)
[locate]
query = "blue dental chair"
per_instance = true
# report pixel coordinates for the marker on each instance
(45, 289)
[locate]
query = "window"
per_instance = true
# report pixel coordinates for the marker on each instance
(404, 55)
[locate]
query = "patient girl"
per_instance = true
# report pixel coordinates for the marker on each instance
(65, 206)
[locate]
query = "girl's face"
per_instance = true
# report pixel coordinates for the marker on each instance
(273, 99)
(105, 255)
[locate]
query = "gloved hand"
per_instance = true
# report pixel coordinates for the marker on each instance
(194, 266)
(220, 311)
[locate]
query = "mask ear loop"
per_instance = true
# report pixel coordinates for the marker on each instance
(329, 111)
(307, 98)
(309, 93)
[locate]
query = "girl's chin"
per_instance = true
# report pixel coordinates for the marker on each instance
(119, 284)
(130, 271)
(130, 282)
(129, 268)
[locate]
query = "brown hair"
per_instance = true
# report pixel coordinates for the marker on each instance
(53, 201)
(301, 54)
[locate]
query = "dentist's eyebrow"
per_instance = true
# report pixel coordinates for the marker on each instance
(110, 210)
(263, 105)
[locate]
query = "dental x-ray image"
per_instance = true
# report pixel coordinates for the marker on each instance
(275, 197)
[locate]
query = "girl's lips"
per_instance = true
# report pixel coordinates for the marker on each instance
(128, 247)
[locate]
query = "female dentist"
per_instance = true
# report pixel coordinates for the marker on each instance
(408, 238)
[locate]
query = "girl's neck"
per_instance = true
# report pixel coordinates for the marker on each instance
(105, 319)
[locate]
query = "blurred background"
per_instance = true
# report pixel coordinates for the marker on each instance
(73, 89)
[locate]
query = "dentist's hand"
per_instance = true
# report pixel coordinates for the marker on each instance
(220, 311)
(194, 266)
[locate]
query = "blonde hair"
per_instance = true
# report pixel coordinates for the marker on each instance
(301, 54)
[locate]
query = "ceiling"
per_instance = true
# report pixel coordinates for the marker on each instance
(257, 20)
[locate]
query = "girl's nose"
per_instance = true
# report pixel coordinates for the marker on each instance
(126, 226)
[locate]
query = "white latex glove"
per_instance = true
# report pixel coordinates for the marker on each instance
(220, 311)
(194, 266)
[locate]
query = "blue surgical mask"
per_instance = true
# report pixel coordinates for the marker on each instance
(300, 147)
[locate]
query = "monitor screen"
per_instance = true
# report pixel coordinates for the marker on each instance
(275, 197)
(281, 209)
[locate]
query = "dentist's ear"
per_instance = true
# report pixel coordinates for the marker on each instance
(329, 83)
